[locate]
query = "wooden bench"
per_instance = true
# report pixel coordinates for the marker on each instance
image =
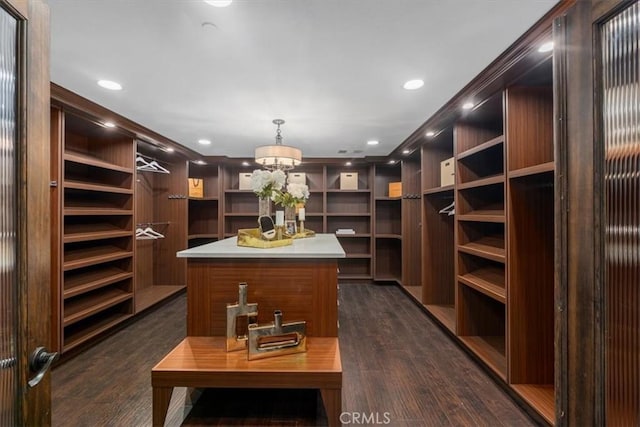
(202, 362)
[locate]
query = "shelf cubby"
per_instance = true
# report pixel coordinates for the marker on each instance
(86, 329)
(483, 275)
(481, 326)
(203, 216)
(333, 176)
(245, 202)
(383, 175)
(360, 224)
(388, 260)
(209, 175)
(88, 199)
(88, 177)
(93, 302)
(483, 240)
(354, 268)
(85, 254)
(486, 200)
(82, 280)
(388, 217)
(353, 203)
(96, 227)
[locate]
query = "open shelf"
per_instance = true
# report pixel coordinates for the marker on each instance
(438, 190)
(491, 350)
(84, 159)
(86, 256)
(492, 215)
(89, 186)
(483, 147)
(81, 307)
(93, 278)
(490, 247)
(150, 296)
(533, 170)
(481, 182)
(446, 314)
(488, 281)
(541, 397)
(81, 332)
(80, 229)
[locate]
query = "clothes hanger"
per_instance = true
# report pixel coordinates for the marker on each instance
(449, 210)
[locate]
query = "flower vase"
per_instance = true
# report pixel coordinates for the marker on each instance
(290, 220)
(264, 206)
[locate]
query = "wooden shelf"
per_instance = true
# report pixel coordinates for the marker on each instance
(82, 185)
(84, 159)
(347, 276)
(203, 199)
(242, 214)
(490, 247)
(482, 147)
(333, 190)
(95, 255)
(85, 232)
(347, 214)
(96, 211)
(482, 216)
(235, 190)
(150, 296)
(357, 255)
(446, 314)
(491, 350)
(104, 324)
(438, 190)
(483, 182)
(389, 236)
(92, 280)
(340, 236)
(488, 280)
(541, 397)
(387, 199)
(83, 307)
(203, 236)
(533, 170)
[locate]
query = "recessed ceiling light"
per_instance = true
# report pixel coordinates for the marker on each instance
(200, 162)
(109, 124)
(392, 162)
(348, 164)
(170, 150)
(245, 163)
(406, 152)
(430, 133)
(204, 142)
(373, 142)
(546, 47)
(108, 84)
(413, 84)
(467, 105)
(218, 3)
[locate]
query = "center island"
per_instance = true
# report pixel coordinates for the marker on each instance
(300, 279)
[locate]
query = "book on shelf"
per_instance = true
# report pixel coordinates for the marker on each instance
(345, 231)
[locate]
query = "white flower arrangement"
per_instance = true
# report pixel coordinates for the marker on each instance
(265, 183)
(296, 193)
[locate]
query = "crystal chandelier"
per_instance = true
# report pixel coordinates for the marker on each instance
(278, 156)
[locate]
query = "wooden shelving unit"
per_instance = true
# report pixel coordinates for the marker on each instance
(438, 276)
(387, 228)
(204, 224)
(161, 203)
(92, 228)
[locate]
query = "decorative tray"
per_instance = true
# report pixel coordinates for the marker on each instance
(251, 237)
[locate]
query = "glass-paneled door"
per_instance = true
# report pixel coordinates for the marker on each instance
(8, 225)
(620, 45)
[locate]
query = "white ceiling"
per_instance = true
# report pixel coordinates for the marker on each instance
(332, 69)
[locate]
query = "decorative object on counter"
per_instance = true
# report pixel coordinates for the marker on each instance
(239, 316)
(295, 195)
(277, 338)
(251, 237)
(278, 156)
(264, 183)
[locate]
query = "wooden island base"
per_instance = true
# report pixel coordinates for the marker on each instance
(202, 362)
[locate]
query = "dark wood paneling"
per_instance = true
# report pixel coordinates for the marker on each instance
(531, 284)
(34, 198)
(411, 222)
(529, 126)
(302, 289)
(56, 145)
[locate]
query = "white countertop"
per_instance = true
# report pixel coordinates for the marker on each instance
(320, 246)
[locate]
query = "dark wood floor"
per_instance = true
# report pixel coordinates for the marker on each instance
(398, 367)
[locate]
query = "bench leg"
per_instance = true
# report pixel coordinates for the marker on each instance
(161, 399)
(332, 399)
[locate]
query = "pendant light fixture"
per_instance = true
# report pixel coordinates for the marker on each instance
(278, 156)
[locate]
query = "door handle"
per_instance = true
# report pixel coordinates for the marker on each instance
(39, 362)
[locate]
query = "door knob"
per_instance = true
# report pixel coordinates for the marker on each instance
(39, 362)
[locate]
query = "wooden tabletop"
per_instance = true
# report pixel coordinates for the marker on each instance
(203, 362)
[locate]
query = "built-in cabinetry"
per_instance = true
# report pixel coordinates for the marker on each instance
(161, 207)
(118, 217)
(93, 228)
(204, 212)
(388, 224)
(488, 240)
